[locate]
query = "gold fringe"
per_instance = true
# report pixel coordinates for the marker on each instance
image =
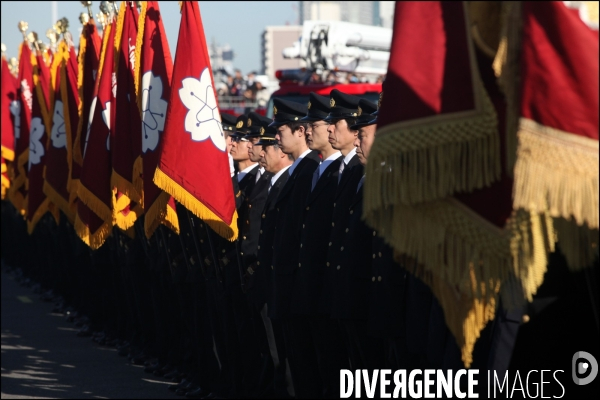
(171, 220)
(229, 232)
(95, 204)
(4, 167)
(8, 154)
(138, 54)
(37, 215)
(17, 200)
(506, 66)
(431, 158)
(58, 201)
(93, 240)
(160, 212)
(466, 260)
(124, 222)
(557, 171)
(73, 194)
(124, 186)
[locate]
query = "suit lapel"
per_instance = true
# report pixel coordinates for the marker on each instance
(354, 162)
(331, 172)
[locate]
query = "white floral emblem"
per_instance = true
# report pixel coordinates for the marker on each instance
(36, 148)
(203, 120)
(15, 110)
(59, 133)
(106, 118)
(154, 111)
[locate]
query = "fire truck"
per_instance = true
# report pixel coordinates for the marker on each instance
(355, 55)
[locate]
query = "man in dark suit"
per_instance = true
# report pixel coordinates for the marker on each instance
(291, 138)
(386, 296)
(327, 354)
(277, 163)
(352, 268)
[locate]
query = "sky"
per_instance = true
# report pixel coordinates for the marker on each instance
(237, 23)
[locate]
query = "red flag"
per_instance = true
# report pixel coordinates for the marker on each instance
(154, 76)
(557, 164)
(64, 119)
(88, 61)
(21, 111)
(437, 188)
(193, 165)
(9, 101)
(126, 131)
(95, 190)
(37, 202)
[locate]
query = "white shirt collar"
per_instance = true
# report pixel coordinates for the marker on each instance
(297, 161)
(261, 170)
(243, 173)
(349, 156)
(277, 175)
(325, 163)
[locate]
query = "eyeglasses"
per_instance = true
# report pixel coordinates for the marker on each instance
(238, 139)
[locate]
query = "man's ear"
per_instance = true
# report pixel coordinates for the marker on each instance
(301, 131)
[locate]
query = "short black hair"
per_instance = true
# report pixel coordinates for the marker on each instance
(295, 125)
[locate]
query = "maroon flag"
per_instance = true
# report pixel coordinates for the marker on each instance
(88, 62)
(64, 119)
(9, 100)
(193, 165)
(94, 219)
(21, 111)
(37, 202)
(154, 90)
(126, 128)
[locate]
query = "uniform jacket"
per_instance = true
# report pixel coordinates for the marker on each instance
(387, 304)
(291, 201)
(351, 274)
(259, 282)
(314, 239)
(345, 193)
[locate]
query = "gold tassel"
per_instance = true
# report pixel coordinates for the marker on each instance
(8, 154)
(229, 232)
(96, 239)
(95, 204)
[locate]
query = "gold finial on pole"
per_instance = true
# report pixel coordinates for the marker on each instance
(32, 38)
(88, 4)
(84, 18)
(23, 26)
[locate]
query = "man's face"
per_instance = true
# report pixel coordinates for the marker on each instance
(254, 149)
(317, 138)
(286, 139)
(270, 157)
(364, 141)
(228, 142)
(239, 149)
(340, 135)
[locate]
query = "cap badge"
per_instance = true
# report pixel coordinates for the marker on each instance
(239, 124)
(359, 111)
(249, 122)
(309, 105)
(332, 103)
(262, 130)
(274, 110)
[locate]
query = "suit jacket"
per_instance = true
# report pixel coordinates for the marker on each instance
(387, 297)
(316, 227)
(286, 250)
(351, 275)
(249, 217)
(258, 289)
(344, 195)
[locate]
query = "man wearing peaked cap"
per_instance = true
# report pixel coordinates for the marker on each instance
(328, 354)
(285, 111)
(241, 125)
(318, 108)
(366, 109)
(228, 122)
(342, 106)
(291, 138)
